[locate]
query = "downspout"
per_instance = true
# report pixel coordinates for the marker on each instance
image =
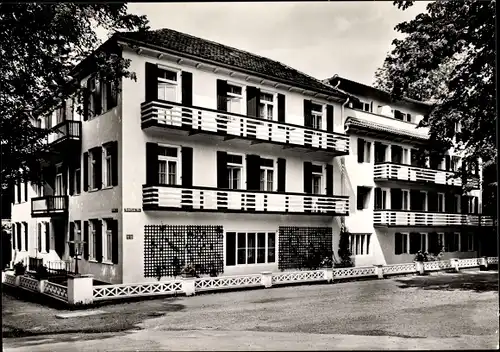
(342, 161)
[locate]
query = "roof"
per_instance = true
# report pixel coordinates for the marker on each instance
(206, 50)
(357, 124)
(354, 87)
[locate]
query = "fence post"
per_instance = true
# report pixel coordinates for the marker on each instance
(266, 279)
(454, 264)
(188, 285)
(18, 280)
(41, 285)
(483, 263)
(379, 270)
(419, 266)
(80, 289)
(3, 276)
(328, 272)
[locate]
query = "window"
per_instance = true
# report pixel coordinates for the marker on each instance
(266, 175)
(361, 106)
(469, 243)
(168, 165)
(364, 149)
(452, 241)
(234, 169)
(359, 244)
(423, 201)
(59, 189)
(266, 107)
(234, 98)
(440, 205)
(25, 240)
(405, 204)
(167, 84)
(363, 197)
(457, 203)
(406, 156)
(93, 170)
(400, 243)
(78, 181)
(380, 199)
(317, 174)
(107, 166)
(380, 152)
(107, 243)
(317, 115)
(418, 242)
(250, 248)
(92, 240)
(60, 114)
(455, 163)
(399, 115)
(472, 203)
(92, 88)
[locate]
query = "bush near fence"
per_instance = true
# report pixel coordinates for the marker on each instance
(190, 286)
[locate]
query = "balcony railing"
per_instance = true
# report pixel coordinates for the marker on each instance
(196, 119)
(66, 130)
(49, 206)
(414, 218)
(217, 200)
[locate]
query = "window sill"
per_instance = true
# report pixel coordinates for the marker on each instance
(252, 264)
(93, 190)
(107, 262)
(107, 187)
(92, 261)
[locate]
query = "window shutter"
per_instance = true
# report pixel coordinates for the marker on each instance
(26, 190)
(230, 248)
(414, 200)
(114, 162)
(26, 236)
(98, 240)
(308, 113)
(187, 88)
(187, 167)
(377, 198)
(329, 180)
(447, 162)
(39, 248)
(398, 243)
(111, 95)
(329, 118)
(86, 171)
(71, 238)
(476, 205)
(281, 108)
(281, 175)
(114, 238)
(253, 172)
(222, 176)
(307, 177)
(415, 242)
(152, 169)
(86, 101)
(464, 204)
(396, 199)
(19, 236)
(151, 82)
(221, 95)
(361, 150)
(71, 171)
(19, 199)
(13, 236)
(47, 237)
(97, 155)
(65, 178)
(253, 100)
(97, 98)
(86, 240)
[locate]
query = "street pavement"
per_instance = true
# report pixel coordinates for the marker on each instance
(443, 311)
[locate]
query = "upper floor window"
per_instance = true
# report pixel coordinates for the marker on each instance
(167, 85)
(317, 175)
(361, 106)
(234, 98)
(107, 166)
(363, 197)
(266, 107)
(59, 189)
(234, 169)
(441, 203)
(93, 171)
(93, 96)
(168, 165)
(364, 148)
(266, 175)
(317, 115)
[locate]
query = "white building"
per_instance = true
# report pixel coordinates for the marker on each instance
(213, 157)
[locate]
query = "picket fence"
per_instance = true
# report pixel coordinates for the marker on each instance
(192, 285)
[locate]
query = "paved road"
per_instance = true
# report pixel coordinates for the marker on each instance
(448, 311)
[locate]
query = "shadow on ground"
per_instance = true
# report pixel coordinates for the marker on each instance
(477, 282)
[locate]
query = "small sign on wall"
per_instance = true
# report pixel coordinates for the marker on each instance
(114, 210)
(132, 210)
(130, 236)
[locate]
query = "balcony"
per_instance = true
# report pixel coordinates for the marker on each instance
(217, 200)
(201, 120)
(49, 206)
(391, 218)
(66, 131)
(407, 173)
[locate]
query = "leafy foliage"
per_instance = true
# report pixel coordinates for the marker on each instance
(448, 58)
(344, 251)
(40, 46)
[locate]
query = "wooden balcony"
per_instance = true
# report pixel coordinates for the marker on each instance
(234, 201)
(49, 206)
(64, 132)
(393, 218)
(202, 120)
(392, 171)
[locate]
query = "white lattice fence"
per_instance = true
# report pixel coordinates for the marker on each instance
(468, 263)
(437, 265)
(215, 283)
(395, 269)
(492, 260)
(28, 283)
(345, 273)
(10, 279)
(106, 292)
(57, 291)
(298, 276)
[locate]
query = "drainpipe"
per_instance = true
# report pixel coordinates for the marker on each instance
(342, 160)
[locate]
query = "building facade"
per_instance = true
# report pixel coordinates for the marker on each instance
(229, 162)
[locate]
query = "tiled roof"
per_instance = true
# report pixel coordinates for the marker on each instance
(369, 125)
(203, 49)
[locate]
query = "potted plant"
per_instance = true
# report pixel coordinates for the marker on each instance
(19, 269)
(42, 273)
(189, 272)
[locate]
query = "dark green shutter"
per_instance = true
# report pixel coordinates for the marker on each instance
(396, 199)
(377, 198)
(281, 175)
(329, 180)
(329, 118)
(86, 240)
(114, 239)
(113, 146)
(71, 238)
(85, 171)
(47, 237)
(221, 95)
(307, 177)
(398, 243)
(308, 113)
(86, 101)
(361, 150)
(253, 100)
(26, 236)
(151, 92)
(281, 108)
(253, 172)
(152, 168)
(230, 248)
(222, 175)
(98, 240)
(187, 167)
(187, 98)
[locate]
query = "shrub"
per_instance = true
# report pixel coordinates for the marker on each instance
(189, 271)
(42, 273)
(19, 268)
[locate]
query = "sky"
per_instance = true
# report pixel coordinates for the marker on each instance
(318, 38)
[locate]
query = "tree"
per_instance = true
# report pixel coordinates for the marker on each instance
(447, 58)
(44, 51)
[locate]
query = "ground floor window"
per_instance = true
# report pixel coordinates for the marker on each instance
(359, 244)
(451, 242)
(469, 243)
(250, 248)
(418, 242)
(400, 243)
